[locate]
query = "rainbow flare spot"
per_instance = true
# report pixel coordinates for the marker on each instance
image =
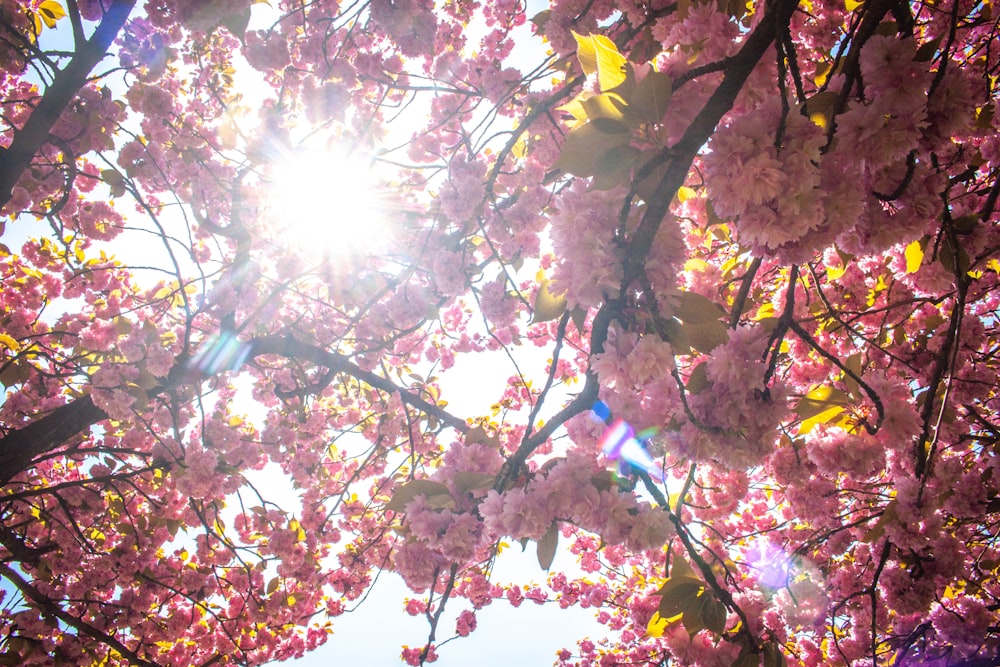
(222, 352)
(620, 443)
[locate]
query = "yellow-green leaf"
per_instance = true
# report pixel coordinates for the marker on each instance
(698, 380)
(520, 149)
(410, 490)
(599, 54)
(547, 546)
(540, 19)
(51, 11)
(548, 306)
(649, 102)
(927, 50)
(586, 144)
(820, 107)
(773, 657)
(586, 53)
(914, 254)
(694, 616)
(576, 109)
(9, 342)
(657, 624)
(851, 5)
(605, 105)
(467, 482)
(680, 568)
(706, 336)
(615, 167)
(680, 598)
(878, 530)
(822, 72)
(820, 406)
(819, 418)
(746, 659)
(693, 308)
(714, 614)
(854, 363)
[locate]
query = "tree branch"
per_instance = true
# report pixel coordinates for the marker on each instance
(737, 71)
(50, 607)
(20, 447)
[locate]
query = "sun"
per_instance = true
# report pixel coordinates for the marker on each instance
(328, 203)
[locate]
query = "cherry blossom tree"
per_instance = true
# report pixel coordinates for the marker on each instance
(245, 242)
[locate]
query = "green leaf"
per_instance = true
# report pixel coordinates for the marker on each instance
(614, 167)
(698, 380)
(587, 143)
(467, 482)
(927, 50)
(820, 107)
(707, 336)
(410, 490)
(714, 614)
(540, 19)
(984, 116)
(648, 189)
(605, 105)
(746, 659)
(649, 102)
(548, 306)
(965, 224)
(693, 308)
(237, 22)
(14, 373)
(735, 8)
(478, 435)
(773, 657)
(679, 597)
(694, 616)
(547, 546)
(955, 262)
(677, 336)
(114, 178)
(878, 530)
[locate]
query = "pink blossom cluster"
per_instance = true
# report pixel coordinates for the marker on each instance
(736, 416)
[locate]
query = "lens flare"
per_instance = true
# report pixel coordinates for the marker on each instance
(620, 443)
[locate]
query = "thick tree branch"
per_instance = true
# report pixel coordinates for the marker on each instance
(737, 71)
(21, 446)
(50, 607)
(288, 346)
(18, 448)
